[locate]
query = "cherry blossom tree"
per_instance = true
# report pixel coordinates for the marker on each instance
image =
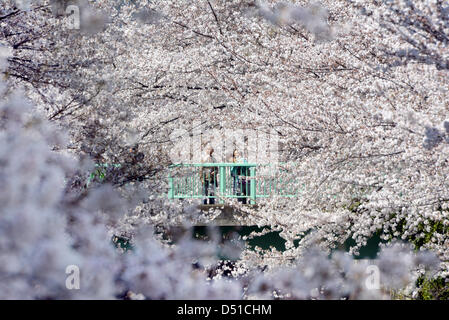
(357, 92)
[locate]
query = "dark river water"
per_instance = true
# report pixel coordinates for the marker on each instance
(273, 239)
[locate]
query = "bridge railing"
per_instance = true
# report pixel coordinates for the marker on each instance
(230, 180)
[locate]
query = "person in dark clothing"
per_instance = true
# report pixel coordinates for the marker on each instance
(239, 174)
(208, 176)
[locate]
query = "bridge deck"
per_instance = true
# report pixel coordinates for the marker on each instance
(228, 216)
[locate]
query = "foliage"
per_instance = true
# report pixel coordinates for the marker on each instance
(433, 289)
(356, 90)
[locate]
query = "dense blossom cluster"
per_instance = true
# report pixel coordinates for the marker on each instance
(357, 91)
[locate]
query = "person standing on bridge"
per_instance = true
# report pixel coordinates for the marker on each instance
(208, 177)
(239, 174)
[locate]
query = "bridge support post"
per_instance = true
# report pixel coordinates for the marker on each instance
(222, 183)
(171, 191)
(252, 172)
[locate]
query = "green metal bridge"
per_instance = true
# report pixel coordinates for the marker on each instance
(216, 181)
(246, 182)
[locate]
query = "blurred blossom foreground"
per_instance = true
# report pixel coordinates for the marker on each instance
(99, 99)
